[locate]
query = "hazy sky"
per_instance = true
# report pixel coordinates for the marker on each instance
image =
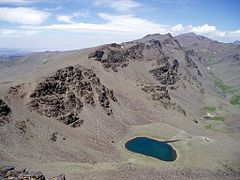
(74, 24)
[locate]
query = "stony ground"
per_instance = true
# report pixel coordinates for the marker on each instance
(9, 172)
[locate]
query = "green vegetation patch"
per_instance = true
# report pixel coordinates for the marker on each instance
(235, 99)
(210, 108)
(210, 61)
(218, 118)
(225, 88)
(220, 84)
(209, 126)
(235, 94)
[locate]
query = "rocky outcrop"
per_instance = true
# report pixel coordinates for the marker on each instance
(164, 66)
(111, 56)
(56, 136)
(189, 61)
(18, 92)
(166, 73)
(59, 177)
(157, 92)
(115, 55)
(159, 50)
(160, 94)
(9, 173)
(53, 137)
(172, 41)
(166, 70)
(21, 126)
(65, 94)
(5, 113)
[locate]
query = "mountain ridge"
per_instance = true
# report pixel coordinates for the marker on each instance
(72, 112)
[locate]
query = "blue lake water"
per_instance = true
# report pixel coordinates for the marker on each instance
(150, 147)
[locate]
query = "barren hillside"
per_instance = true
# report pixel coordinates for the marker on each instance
(72, 112)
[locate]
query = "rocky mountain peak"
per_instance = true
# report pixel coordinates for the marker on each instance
(159, 37)
(191, 34)
(192, 37)
(161, 50)
(119, 55)
(237, 42)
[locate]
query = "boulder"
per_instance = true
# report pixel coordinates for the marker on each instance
(59, 177)
(5, 113)
(53, 137)
(165, 73)
(21, 126)
(4, 109)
